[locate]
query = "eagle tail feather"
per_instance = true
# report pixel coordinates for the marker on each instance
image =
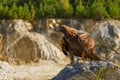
(95, 57)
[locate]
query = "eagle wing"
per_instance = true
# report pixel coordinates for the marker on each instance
(64, 46)
(86, 42)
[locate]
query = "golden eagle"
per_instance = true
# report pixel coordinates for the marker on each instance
(77, 43)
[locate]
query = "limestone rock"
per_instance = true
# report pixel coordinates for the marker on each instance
(22, 46)
(89, 71)
(6, 71)
(107, 40)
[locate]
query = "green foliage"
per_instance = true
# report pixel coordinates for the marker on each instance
(13, 11)
(20, 12)
(1, 10)
(59, 10)
(100, 72)
(97, 10)
(74, 4)
(67, 8)
(47, 9)
(113, 8)
(26, 11)
(32, 11)
(37, 9)
(81, 10)
(6, 12)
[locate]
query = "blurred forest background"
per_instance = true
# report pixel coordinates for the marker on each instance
(41, 9)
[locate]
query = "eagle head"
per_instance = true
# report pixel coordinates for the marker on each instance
(57, 27)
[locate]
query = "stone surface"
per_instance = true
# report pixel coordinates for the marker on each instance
(6, 71)
(107, 39)
(21, 46)
(106, 35)
(44, 70)
(89, 71)
(16, 40)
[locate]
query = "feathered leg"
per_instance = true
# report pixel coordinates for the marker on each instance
(83, 56)
(71, 54)
(94, 56)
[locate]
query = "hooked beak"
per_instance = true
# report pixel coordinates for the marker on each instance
(51, 27)
(54, 26)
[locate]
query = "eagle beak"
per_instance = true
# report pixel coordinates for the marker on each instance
(54, 25)
(54, 22)
(51, 27)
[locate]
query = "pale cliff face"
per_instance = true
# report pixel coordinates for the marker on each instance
(22, 46)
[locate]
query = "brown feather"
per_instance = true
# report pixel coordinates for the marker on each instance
(64, 46)
(78, 43)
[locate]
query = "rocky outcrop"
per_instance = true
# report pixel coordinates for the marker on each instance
(107, 39)
(89, 71)
(17, 37)
(106, 35)
(6, 71)
(21, 46)
(109, 32)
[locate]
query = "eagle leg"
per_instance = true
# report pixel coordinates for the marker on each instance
(71, 54)
(83, 56)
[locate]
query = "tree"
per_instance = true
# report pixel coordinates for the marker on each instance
(74, 4)
(13, 11)
(81, 11)
(26, 11)
(32, 11)
(20, 12)
(40, 12)
(47, 9)
(37, 9)
(67, 9)
(59, 9)
(113, 8)
(1, 10)
(97, 10)
(6, 12)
